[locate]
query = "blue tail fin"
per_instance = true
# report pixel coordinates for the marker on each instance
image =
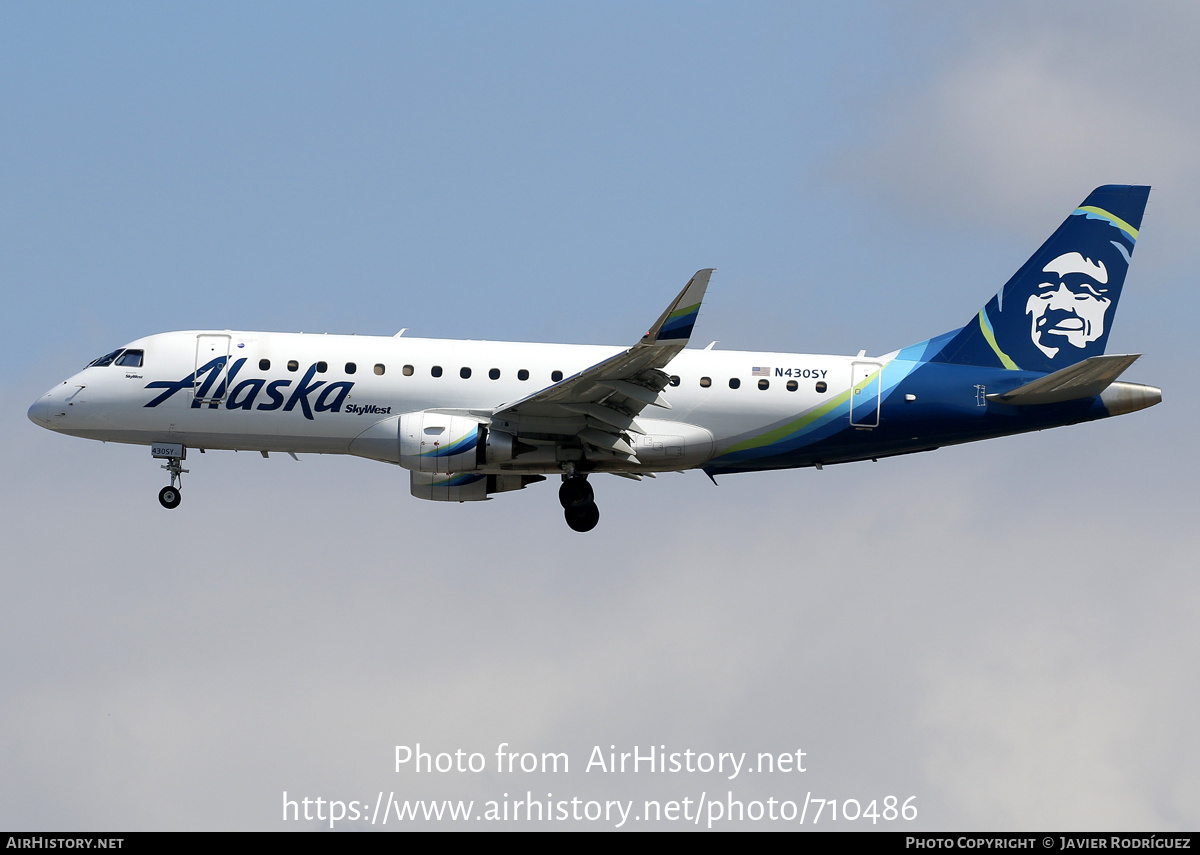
(1058, 308)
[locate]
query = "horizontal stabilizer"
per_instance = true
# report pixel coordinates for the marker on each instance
(1082, 380)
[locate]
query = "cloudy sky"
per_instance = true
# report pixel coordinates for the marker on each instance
(1005, 631)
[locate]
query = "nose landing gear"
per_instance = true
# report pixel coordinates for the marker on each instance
(174, 453)
(578, 501)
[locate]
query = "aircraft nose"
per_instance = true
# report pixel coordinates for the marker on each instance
(41, 410)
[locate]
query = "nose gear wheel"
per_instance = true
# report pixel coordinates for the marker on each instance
(170, 497)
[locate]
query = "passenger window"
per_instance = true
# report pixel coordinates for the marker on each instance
(436, 371)
(494, 374)
(293, 365)
(734, 382)
(764, 384)
(555, 376)
(379, 369)
(264, 365)
(674, 379)
(322, 367)
(351, 368)
(407, 370)
(705, 382)
(130, 359)
(792, 385)
(821, 387)
(522, 374)
(464, 373)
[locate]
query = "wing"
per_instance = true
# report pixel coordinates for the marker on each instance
(599, 404)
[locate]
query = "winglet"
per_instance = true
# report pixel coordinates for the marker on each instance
(675, 324)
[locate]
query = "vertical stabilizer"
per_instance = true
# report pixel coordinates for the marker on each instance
(1058, 308)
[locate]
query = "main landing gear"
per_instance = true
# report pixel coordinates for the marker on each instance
(578, 501)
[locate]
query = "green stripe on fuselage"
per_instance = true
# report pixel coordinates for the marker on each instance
(784, 431)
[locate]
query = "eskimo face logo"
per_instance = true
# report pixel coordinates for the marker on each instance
(1068, 308)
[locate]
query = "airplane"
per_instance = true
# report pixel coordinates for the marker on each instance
(471, 419)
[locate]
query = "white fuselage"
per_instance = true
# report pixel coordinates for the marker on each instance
(268, 406)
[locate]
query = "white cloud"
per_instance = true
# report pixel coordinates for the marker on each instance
(1033, 725)
(1034, 106)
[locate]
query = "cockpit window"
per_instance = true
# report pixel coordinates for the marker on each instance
(106, 359)
(130, 359)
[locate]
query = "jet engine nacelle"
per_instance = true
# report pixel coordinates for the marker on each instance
(441, 443)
